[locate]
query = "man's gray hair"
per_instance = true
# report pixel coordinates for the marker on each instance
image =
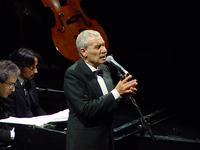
(8, 69)
(82, 38)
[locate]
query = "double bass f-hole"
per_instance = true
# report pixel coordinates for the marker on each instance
(76, 17)
(72, 19)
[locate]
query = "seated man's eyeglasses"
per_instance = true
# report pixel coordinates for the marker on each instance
(11, 84)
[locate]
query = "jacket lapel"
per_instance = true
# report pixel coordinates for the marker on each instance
(20, 89)
(89, 77)
(107, 78)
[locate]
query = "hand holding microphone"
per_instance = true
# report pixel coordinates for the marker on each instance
(126, 84)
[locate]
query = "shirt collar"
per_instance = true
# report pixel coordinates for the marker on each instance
(21, 80)
(91, 67)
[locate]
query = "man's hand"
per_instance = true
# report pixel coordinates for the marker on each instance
(127, 85)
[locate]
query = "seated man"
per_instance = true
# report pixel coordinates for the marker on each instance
(8, 76)
(24, 101)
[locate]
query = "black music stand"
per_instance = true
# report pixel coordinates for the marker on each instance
(144, 124)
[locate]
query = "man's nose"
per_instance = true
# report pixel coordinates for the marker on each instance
(13, 88)
(104, 49)
(36, 70)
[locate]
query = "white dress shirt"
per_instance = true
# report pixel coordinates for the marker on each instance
(103, 85)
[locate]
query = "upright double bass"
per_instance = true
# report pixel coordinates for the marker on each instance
(70, 20)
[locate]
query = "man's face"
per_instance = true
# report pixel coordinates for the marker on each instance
(29, 72)
(8, 86)
(96, 51)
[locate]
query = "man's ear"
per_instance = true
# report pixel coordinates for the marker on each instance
(83, 52)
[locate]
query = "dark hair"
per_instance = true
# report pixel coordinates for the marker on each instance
(7, 69)
(24, 57)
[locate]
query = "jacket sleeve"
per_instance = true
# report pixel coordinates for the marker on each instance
(5, 135)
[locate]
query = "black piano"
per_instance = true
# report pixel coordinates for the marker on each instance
(163, 130)
(40, 138)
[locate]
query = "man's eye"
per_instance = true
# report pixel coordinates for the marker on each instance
(98, 46)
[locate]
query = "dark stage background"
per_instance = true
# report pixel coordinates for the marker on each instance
(141, 38)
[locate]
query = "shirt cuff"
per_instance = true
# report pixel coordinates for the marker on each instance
(115, 93)
(12, 134)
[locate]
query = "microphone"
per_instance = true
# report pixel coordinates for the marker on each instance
(111, 60)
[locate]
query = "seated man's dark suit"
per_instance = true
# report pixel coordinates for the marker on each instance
(5, 137)
(24, 103)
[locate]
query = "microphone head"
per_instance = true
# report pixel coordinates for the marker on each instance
(109, 58)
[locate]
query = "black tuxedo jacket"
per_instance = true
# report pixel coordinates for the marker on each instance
(91, 112)
(17, 103)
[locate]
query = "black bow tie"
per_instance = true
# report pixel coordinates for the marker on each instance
(99, 72)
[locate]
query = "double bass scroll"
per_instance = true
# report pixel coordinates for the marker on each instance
(70, 20)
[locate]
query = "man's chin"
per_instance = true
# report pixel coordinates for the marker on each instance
(103, 60)
(30, 78)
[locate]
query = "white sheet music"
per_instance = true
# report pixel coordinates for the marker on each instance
(39, 120)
